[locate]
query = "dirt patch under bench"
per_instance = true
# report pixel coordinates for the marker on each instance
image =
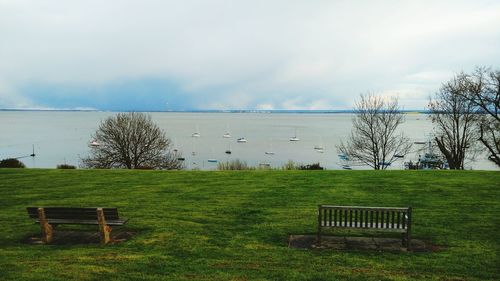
(358, 243)
(68, 237)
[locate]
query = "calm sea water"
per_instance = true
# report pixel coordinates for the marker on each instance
(63, 137)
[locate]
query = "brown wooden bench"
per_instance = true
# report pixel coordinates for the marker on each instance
(366, 218)
(50, 217)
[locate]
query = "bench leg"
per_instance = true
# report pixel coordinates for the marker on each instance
(408, 241)
(47, 230)
(318, 237)
(104, 229)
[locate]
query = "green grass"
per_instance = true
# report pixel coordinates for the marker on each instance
(234, 225)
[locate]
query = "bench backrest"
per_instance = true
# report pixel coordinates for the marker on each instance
(73, 213)
(364, 217)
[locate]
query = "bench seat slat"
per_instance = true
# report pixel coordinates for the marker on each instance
(73, 213)
(366, 226)
(70, 215)
(86, 222)
(363, 208)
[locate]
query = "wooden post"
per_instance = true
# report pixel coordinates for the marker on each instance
(47, 233)
(408, 231)
(318, 238)
(103, 228)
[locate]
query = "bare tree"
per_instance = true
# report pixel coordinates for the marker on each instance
(482, 89)
(374, 140)
(132, 141)
(454, 117)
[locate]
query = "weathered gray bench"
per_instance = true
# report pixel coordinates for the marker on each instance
(366, 218)
(50, 217)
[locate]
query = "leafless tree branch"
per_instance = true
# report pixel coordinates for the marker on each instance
(374, 140)
(132, 141)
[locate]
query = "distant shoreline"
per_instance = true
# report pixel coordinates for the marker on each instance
(210, 111)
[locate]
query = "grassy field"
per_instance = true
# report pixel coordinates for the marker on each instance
(234, 225)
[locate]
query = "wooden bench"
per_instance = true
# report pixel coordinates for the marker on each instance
(50, 217)
(366, 218)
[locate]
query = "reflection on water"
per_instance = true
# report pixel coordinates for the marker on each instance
(63, 137)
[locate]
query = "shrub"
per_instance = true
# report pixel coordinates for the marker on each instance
(65, 166)
(234, 165)
(314, 166)
(290, 165)
(11, 163)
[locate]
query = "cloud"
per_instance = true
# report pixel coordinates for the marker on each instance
(237, 54)
(9, 98)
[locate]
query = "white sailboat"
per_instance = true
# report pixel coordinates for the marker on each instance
(227, 135)
(295, 138)
(196, 134)
(270, 151)
(94, 143)
(241, 140)
(319, 147)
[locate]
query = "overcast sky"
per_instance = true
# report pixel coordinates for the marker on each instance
(181, 55)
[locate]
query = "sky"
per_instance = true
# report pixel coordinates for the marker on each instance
(150, 55)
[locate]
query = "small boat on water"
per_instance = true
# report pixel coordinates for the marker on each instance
(196, 134)
(33, 154)
(346, 167)
(319, 149)
(344, 157)
(241, 140)
(227, 135)
(212, 160)
(94, 143)
(271, 150)
(181, 158)
(295, 138)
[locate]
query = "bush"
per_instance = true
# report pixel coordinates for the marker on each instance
(314, 166)
(234, 165)
(290, 165)
(11, 163)
(65, 166)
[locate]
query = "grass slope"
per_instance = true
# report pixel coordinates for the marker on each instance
(234, 225)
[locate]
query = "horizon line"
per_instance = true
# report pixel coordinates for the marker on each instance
(210, 110)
